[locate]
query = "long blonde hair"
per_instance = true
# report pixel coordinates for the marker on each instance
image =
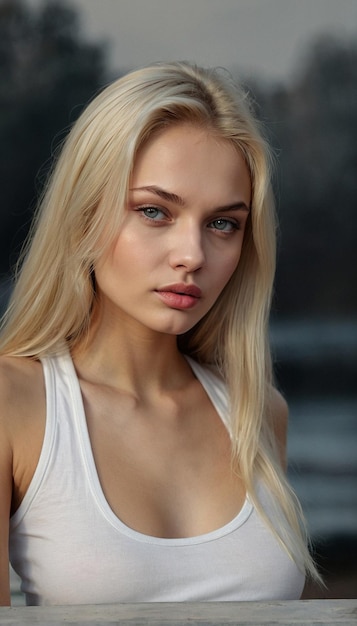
(54, 294)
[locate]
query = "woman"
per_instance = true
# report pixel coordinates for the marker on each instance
(142, 441)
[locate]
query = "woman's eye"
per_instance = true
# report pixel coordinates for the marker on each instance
(152, 213)
(224, 225)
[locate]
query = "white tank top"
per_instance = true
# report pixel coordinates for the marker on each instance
(69, 547)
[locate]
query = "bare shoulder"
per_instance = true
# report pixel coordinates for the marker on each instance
(21, 381)
(22, 399)
(279, 413)
(22, 421)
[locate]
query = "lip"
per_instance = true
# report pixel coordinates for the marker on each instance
(179, 296)
(182, 289)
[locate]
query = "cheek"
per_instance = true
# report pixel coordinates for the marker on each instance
(133, 249)
(124, 255)
(229, 267)
(230, 271)
(232, 262)
(225, 273)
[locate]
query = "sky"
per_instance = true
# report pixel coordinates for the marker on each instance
(265, 39)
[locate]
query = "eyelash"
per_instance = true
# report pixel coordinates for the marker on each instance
(233, 223)
(150, 208)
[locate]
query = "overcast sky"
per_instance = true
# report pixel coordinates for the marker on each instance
(263, 38)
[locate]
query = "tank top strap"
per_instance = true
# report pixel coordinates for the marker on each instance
(215, 388)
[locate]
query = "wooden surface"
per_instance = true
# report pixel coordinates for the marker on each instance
(304, 613)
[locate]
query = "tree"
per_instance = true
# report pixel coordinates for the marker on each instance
(313, 126)
(48, 73)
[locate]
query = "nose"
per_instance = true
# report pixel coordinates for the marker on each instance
(187, 249)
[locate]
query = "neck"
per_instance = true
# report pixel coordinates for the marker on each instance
(131, 357)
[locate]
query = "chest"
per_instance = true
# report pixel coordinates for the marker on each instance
(165, 470)
(63, 559)
(98, 481)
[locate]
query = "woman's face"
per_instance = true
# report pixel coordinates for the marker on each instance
(182, 234)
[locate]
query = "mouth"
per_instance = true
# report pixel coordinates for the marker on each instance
(182, 290)
(180, 296)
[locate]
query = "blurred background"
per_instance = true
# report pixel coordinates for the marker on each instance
(299, 61)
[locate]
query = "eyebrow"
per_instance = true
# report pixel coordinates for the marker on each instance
(168, 196)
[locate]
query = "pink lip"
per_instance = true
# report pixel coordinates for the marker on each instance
(182, 289)
(180, 296)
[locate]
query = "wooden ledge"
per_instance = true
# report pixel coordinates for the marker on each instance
(302, 612)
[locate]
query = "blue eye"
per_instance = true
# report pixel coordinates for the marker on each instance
(224, 225)
(152, 213)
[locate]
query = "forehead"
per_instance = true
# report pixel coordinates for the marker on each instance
(176, 131)
(189, 159)
(177, 141)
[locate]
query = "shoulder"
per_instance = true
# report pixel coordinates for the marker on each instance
(21, 387)
(278, 413)
(22, 422)
(19, 376)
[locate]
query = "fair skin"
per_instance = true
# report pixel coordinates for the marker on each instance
(161, 451)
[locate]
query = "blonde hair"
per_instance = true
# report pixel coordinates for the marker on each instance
(54, 294)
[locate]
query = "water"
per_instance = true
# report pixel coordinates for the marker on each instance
(322, 452)
(317, 367)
